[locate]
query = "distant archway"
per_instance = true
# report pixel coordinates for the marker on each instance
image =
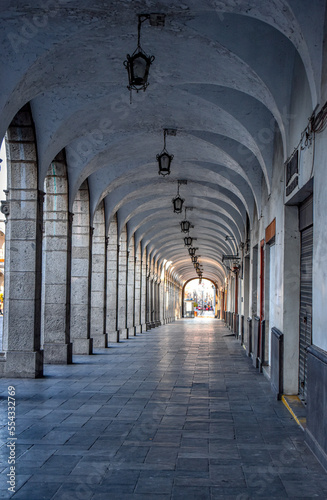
(197, 279)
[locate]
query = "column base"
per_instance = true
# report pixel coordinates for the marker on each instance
(23, 364)
(82, 346)
(58, 354)
(138, 329)
(113, 337)
(131, 331)
(100, 340)
(143, 328)
(123, 334)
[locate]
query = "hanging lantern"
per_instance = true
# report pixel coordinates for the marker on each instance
(192, 251)
(188, 241)
(164, 159)
(185, 226)
(194, 259)
(138, 64)
(178, 202)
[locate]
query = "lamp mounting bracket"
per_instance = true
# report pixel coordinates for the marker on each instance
(170, 131)
(157, 19)
(180, 182)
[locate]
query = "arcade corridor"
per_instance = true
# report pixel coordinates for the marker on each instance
(150, 145)
(175, 413)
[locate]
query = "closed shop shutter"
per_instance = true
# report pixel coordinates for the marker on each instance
(305, 292)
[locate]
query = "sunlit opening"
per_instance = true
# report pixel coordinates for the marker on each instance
(199, 299)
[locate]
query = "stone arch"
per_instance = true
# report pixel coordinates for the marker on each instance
(56, 262)
(194, 279)
(24, 212)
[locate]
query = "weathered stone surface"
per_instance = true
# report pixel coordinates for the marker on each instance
(82, 346)
(24, 364)
(56, 353)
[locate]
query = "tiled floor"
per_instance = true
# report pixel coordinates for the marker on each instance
(175, 413)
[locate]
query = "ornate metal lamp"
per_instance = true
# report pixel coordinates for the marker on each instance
(194, 259)
(138, 64)
(188, 241)
(178, 201)
(192, 251)
(164, 159)
(185, 224)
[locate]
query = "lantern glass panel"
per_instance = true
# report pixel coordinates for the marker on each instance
(139, 69)
(185, 226)
(178, 204)
(164, 161)
(188, 241)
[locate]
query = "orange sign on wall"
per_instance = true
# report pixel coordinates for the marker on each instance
(270, 231)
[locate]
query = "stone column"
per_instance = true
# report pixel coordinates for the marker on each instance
(112, 284)
(98, 296)
(163, 289)
(23, 253)
(57, 242)
(143, 292)
(130, 291)
(122, 285)
(137, 290)
(152, 321)
(161, 301)
(157, 285)
(81, 274)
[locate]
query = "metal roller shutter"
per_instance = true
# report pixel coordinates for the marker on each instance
(305, 292)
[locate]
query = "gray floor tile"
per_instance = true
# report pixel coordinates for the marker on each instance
(169, 414)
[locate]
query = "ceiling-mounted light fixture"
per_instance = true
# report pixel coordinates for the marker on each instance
(192, 251)
(188, 241)
(194, 258)
(164, 159)
(138, 64)
(178, 201)
(185, 224)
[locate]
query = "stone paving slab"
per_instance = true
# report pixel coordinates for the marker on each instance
(178, 412)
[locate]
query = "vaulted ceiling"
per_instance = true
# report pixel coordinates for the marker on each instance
(222, 77)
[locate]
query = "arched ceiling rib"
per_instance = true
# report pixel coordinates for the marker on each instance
(222, 77)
